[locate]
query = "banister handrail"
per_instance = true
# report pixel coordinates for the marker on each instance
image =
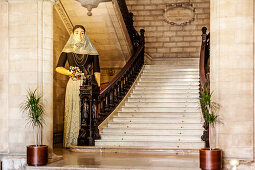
(123, 70)
(113, 93)
(202, 59)
(204, 70)
(128, 19)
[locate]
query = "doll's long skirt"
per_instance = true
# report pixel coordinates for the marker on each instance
(72, 113)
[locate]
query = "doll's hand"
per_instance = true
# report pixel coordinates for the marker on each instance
(76, 73)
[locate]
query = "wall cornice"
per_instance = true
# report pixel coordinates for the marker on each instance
(64, 17)
(23, 1)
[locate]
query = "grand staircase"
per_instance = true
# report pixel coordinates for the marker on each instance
(162, 111)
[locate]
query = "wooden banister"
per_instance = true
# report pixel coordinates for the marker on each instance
(202, 59)
(113, 93)
(204, 73)
(117, 88)
(124, 69)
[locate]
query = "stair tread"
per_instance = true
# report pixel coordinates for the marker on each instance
(153, 107)
(117, 117)
(162, 111)
(148, 141)
(132, 129)
(177, 99)
(178, 135)
(151, 123)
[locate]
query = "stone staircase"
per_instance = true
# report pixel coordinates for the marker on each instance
(162, 111)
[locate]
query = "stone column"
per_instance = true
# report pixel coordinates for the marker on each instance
(46, 72)
(232, 75)
(30, 66)
(4, 76)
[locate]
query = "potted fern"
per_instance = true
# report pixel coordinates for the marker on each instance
(33, 108)
(210, 158)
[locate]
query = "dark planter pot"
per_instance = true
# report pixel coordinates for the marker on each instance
(37, 155)
(210, 159)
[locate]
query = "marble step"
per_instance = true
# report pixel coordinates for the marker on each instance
(165, 95)
(175, 61)
(166, 91)
(177, 87)
(174, 100)
(155, 120)
(161, 114)
(169, 69)
(162, 138)
(155, 79)
(145, 151)
(159, 109)
(175, 65)
(158, 144)
(161, 104)
(165, 83)
(172, 73)
(133, 131)
(156, 125)
(170, 76)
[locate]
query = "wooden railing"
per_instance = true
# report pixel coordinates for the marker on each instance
(128, 19)
(204, 73)
(111, 96)
(204, 64)
(108, 98)
(113, 93)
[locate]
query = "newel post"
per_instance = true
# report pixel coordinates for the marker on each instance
(202, 58)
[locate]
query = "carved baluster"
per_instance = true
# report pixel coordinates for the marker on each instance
(122, 87)
(111, 98)
(132, 72)
(102, 105)
(129, 82)
(119, 89)
(116, 95)
(124, 83)
(94, 111)
(107, 102)
(95, 120)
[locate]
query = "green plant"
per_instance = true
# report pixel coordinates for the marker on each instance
(34, 110)
(208, 108)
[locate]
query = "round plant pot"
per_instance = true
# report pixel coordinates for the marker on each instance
(210, 159)
(37, 155)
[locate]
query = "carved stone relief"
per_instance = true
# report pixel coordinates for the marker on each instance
(64, 17)
(179, 13)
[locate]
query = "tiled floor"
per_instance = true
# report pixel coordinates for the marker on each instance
(73, 160)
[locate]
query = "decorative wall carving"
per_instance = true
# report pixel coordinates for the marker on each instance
(64, 17)
(179, 13)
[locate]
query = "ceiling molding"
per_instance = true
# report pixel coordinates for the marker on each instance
(64, 16)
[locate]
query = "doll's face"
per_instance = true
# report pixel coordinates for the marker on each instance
(78, 34)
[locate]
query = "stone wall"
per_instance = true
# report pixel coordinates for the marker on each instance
(26, 62)
(164, 40)
(4, 77)
(232, 75)
(59, 81)
(22, 72)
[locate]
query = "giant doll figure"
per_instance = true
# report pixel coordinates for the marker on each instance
(80, 53)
